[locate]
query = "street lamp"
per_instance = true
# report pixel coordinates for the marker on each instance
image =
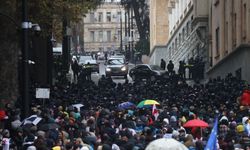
(26, 25)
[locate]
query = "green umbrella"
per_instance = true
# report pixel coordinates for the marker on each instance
(147, 102)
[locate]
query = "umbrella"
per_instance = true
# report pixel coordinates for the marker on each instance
(195, 123)
(166, 144)
(245, 98)
(126, 105)
(34, 119)
(147, 102)
(78, 106)
(49, 126)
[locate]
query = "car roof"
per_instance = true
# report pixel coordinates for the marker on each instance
(142, 65)
(115, 58)
(90, 61)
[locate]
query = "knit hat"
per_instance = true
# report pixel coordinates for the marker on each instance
(3, 115)
(56, 148)
(240, 128)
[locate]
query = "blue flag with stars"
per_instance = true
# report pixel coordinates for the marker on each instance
(212, 141)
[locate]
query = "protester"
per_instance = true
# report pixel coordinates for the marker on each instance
(75, 69)
(163, 64)
(88, 71)
(170, 67)
(100, 124)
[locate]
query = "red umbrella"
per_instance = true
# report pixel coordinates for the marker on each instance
(195, 123)
(245, 98)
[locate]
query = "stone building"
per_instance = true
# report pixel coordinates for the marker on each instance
(188, 30)
(158, 23)
(229, 49)
(104, 26)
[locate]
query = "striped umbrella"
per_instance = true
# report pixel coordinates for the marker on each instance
(147, 102)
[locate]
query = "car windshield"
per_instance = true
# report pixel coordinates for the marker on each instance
(82, 59)
(115, 62)
(155, 67)
(90, 61)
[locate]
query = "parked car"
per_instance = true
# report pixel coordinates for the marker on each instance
(82, 60)
(116, 67)
(146, 71)
(118, 55)
(92, 64)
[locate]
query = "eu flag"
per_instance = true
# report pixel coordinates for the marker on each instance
(211, 144)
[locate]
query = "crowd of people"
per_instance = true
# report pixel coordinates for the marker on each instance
(101, 124)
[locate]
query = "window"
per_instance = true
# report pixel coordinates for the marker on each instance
(244, 14)
(100, 36)
(187, 28)
(92, 17)
(175, 47)
(183, 34)
(180, 39)
(109, 36)
(169, 52)
(234, 29)
(191, 27)
(100, 17)
(118, 35)
(119, 14)
(226, 38)
(108, 17)
(217, 38)
(92, 36)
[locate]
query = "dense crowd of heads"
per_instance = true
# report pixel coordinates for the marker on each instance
(101, 124)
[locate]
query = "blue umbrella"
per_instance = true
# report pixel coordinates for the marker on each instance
(126, 105)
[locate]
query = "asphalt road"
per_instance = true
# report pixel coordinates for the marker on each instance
(95, 76)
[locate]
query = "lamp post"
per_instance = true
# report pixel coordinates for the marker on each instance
(25, 57)
(121, 45)
(26, 25)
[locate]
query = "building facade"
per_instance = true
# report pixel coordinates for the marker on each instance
(229, 45)
(188, 31)
(158, 23)
(104, 28)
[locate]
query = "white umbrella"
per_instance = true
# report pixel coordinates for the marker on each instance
(34, 119)
(78, 106)
(166, 144)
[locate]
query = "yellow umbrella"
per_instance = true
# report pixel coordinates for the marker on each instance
(147, 102)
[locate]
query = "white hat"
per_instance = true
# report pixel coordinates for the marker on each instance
(244, 119)
(166, 120)
(223, 118)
